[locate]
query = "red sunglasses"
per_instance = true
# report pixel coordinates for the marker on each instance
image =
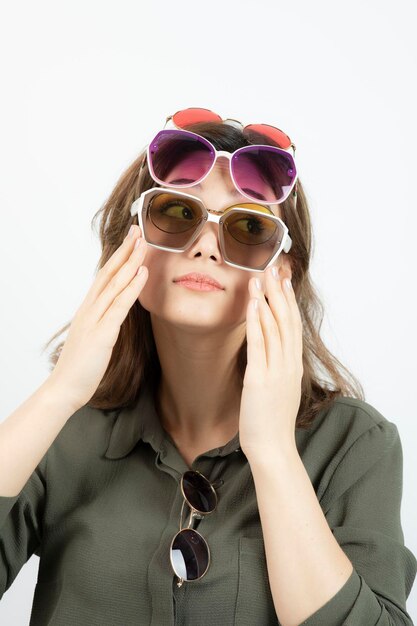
(195, 115)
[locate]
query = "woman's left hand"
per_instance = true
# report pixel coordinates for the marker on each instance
(271, 392)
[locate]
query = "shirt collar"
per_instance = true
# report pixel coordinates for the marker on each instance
(141, 422)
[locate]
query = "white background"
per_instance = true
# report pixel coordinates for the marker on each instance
(86, 84)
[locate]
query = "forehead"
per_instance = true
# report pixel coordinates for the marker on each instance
(188, 168)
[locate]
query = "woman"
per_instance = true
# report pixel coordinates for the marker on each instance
(174, 396)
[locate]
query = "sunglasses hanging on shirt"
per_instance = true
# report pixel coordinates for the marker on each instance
(189, 551)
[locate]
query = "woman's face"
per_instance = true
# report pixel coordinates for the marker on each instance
(181, 306)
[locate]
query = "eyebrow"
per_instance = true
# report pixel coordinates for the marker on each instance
(255, 193)
(180, 181)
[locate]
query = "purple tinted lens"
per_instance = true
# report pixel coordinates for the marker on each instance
(264, 172)
(178, 158)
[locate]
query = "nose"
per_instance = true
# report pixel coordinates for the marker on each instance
(218, 192)
(207, 244)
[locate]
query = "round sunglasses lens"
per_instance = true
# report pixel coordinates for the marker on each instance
(193, 116)
(178, 158)
(271, 132)
(199, 492)
(171, 220)
(190, 554)
(265, 173)
(250, 239)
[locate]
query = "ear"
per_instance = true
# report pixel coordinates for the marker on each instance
(285, 270)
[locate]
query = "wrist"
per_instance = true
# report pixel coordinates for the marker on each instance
(282, 452)
(55, 394)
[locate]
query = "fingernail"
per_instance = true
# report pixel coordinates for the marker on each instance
(288, 283)
(130, 233)
(137, 243)
(275, 272)
(258, 283)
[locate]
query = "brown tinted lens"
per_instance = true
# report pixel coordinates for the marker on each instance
(250, 238)
(171, 220)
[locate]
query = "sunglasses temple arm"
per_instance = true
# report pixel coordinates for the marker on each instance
(294, 193)
(182, 513)
(193, 516)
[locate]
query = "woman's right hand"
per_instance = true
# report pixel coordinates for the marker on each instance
(96, 325)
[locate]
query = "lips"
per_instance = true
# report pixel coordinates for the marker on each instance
(199, 278)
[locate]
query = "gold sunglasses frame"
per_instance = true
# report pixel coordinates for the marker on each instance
(195, 514)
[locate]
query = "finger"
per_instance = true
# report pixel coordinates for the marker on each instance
(281, 310)
(295, 315)
(273, 349)
(113, 264)
(113, 318)
(119, 281)
(256, 356)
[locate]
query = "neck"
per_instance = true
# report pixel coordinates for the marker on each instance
(200, 389)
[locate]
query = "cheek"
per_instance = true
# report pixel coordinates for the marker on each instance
(155, 261)
(242, 295)
(158, 262)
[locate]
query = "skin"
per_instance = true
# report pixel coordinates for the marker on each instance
(198, 334)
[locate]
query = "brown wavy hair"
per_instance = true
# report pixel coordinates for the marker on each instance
(135, 360)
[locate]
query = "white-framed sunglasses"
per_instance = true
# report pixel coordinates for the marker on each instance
(251, 237)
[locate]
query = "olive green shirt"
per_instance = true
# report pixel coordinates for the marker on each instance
(104, 503)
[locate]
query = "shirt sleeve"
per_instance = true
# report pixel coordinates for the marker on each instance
(362, 506)
(21, 526)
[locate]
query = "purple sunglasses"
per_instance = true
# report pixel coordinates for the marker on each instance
(180, 158)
